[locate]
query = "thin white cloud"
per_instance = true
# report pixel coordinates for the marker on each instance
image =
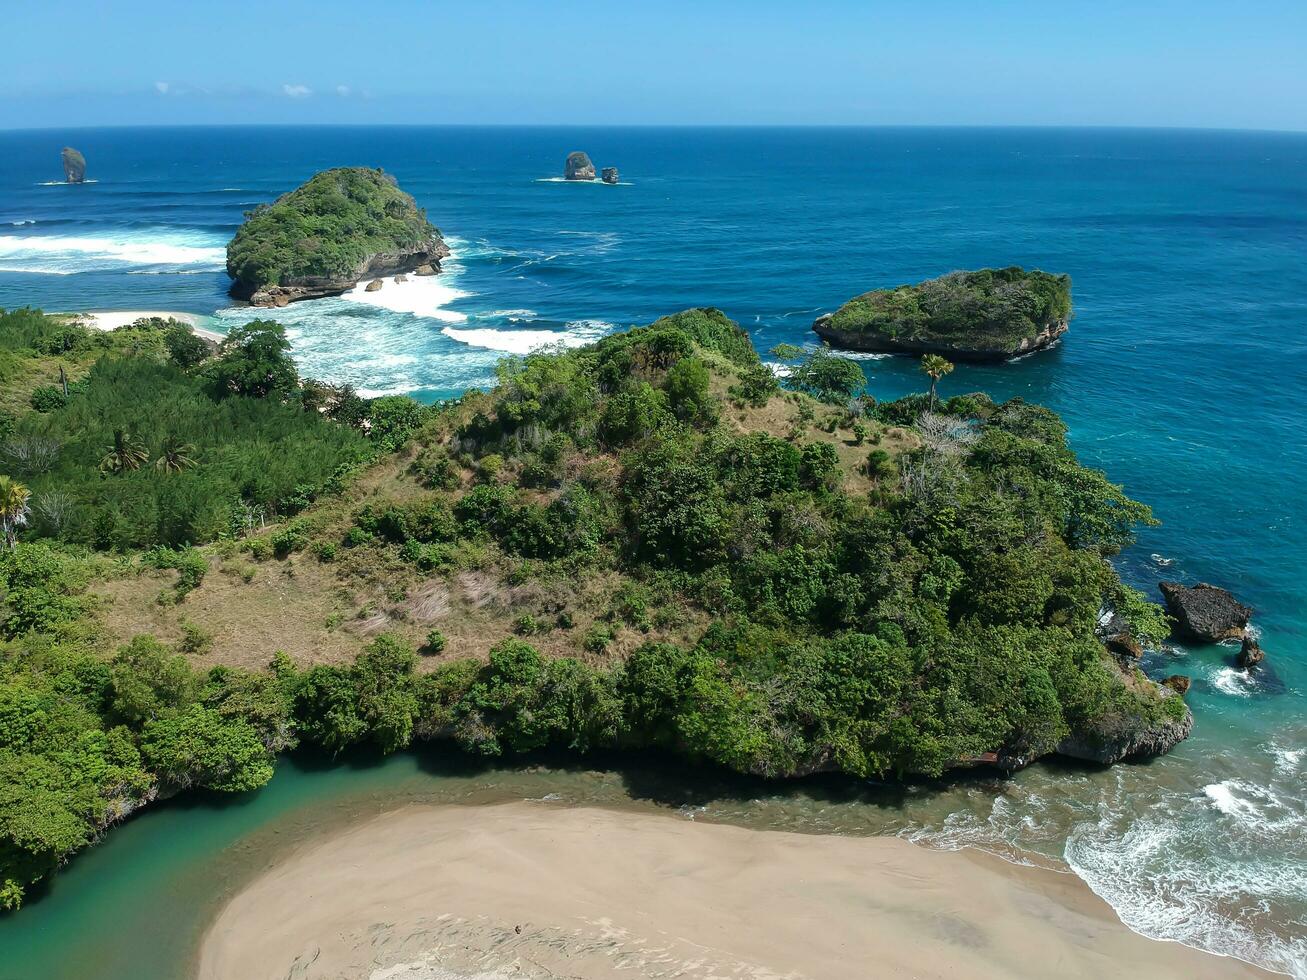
(162, 87)
(343, 91)
(297, 91)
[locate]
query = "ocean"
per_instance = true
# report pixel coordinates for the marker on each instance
(1180, 377)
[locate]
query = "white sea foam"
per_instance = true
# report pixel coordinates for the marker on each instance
(66, 254)
(63, 183)
(778, 369)
(1159, 560)
(578, 334)
(595, 183)
(426, 296)
(509, 315)
(1231, 680)
(27, 221)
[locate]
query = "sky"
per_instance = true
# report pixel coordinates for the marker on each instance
(1196, 63)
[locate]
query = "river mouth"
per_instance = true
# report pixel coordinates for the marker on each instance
(136, 906)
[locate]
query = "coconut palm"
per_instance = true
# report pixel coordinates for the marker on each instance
(14, 500)
(124, 455)
(936, 367)
(175, 456)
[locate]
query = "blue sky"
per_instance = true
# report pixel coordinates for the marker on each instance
(1000, 62)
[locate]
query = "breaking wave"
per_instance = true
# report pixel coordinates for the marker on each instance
(148, 249)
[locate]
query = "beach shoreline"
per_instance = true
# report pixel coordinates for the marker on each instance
(536, 890)
(113, 319)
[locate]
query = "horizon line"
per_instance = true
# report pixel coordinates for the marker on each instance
(1132, 127)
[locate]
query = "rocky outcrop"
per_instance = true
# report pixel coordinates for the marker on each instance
(1117, 736)
(1204, 613)
(1179, 683)
(578, 167)
(374, 268)
(373, 286)
(1251, 654)
(609, 175)
(341, 227)
(425, 270)
(401, 278)
(74, 165)
(975, 353)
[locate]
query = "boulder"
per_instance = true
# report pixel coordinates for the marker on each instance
(578, 167)
(1179, 683)
(1124, 646)
(373, 286)
(424, 270)
(401, 278)
(609, 175)
(1251, 654)
(1204, 613)
(74, 165)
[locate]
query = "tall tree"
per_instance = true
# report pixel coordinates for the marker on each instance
(125, 455)
(14, 501)
(935, 367)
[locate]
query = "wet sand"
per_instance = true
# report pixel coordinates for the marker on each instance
(533, 890)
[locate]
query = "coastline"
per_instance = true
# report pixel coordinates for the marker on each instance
(529, 889)
(113, 319)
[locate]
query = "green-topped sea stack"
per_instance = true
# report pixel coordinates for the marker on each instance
(986, 315)
(341, 227)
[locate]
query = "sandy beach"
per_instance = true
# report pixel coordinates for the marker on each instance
(113, 319)
(533, 890)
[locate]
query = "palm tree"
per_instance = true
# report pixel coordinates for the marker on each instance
(936, 367)
(124, 455)
(175, 456)
(14, 498)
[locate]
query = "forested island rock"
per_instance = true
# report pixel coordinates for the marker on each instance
(645, 543)
(339, 228)
(986, 315)
(74, 165)
(578, 167)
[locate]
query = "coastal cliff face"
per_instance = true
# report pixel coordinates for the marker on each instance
(1046, 336)
(337, 229)
(985, 315)
(372, 266)
(74, 165)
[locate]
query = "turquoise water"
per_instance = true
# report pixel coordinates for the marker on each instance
(1182, 377)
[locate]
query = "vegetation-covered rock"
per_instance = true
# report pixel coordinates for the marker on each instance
(986, 315)
(322, 238)
(74, 165)
(578, 166)
(655, 549)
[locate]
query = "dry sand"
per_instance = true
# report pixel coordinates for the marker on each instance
(113, 319)
(533, 890)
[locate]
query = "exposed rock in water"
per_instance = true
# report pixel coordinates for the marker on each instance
(401, 278)
(373, 286)
(1251, 654)
(609, 175)
(982, 315)
(1179, 683)
(274, 259)
(1117, 736)
(1205, 613)
(578, 167)
(74, 165)
(424, 270)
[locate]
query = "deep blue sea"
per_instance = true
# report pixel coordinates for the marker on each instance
(1183, 377)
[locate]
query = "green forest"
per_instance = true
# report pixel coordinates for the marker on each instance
(792, 579)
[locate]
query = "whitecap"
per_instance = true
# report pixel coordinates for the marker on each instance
(1163, 562)
(28, 221)
(520, 342)
(425, 296)
(510, 315)
(66, 254)
(1231, 680)
(778, 369)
